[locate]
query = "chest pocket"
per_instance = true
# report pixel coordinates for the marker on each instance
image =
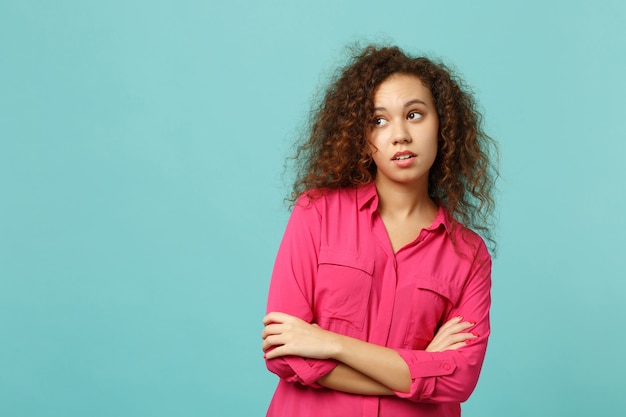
(342, 289)
(433, 299)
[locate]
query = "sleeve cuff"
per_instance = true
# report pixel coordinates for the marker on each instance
(423, 369)
(310, 370)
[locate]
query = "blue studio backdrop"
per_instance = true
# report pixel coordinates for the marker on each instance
(142, 146)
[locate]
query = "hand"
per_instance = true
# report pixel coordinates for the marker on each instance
(288, 335)
(451, 335)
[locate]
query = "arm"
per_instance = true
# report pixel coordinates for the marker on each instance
(286, 335)
(291, 289)
(447, 371)
(365, 368)
(452, 335)
(451, 375)
(346, 379)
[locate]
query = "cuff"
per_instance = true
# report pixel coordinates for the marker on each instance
(310, 370)
(424, 369)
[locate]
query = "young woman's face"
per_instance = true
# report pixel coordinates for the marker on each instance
(404, 139)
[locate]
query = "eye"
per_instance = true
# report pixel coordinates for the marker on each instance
(414, 115)
(380, 121)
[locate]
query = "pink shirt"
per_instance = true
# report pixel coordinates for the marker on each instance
(336, 267)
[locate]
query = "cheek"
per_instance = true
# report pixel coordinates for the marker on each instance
(435, 149)
(431, 150)
(434, 140)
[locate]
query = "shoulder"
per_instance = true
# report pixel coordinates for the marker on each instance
(321, 199)
(467, 242)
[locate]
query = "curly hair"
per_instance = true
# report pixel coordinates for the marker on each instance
(335, 152)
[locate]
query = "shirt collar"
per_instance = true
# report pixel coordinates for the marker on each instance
(368, 197)
(365, 194)
(442, 219)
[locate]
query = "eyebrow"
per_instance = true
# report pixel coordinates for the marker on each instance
(407, 104)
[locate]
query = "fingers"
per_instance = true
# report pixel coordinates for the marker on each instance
(455, 346)
(276, 317)
(452, 322)
(452, 335)
(439, 345)
(275, 336)
(275, 352)
(456, 324)
(276, 333)
(270, 329)
(459, 337)
(284, 334)
(272, 341)
(280, 323)
(273, 327)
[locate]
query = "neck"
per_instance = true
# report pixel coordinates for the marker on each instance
(404, 200)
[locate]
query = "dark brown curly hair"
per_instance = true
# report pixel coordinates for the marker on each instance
(335, 153)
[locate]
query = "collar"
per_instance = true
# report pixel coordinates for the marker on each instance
(367, 196)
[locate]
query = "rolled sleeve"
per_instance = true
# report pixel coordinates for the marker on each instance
(452, 375)
(295, 369)
(439, 376)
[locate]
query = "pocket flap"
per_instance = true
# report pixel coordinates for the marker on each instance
(440, 286)
(343, 258)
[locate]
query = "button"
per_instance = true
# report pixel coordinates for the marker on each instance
(446, 366)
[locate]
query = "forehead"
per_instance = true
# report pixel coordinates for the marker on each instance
(402, 88)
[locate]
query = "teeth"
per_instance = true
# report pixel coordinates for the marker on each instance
(403, 157)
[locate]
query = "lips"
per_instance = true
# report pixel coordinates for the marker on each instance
(401, 156)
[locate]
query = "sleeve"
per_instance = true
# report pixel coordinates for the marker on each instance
(292, 286)
(452, 375)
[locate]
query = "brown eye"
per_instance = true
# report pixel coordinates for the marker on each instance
(379, 121)
(414, 115)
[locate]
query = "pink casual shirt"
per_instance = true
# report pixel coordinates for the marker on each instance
(336, 267)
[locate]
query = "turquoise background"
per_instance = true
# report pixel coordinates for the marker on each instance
(142, 146)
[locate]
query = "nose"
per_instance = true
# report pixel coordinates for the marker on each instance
(400, 134)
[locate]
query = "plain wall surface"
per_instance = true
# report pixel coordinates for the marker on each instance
(142, 146)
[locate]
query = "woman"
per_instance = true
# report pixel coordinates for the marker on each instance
(380, 294)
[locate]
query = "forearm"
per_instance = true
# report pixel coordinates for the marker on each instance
(346, 379)
(382, 364)
(286, 335)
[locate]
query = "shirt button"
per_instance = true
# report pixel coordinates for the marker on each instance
(446, 366)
